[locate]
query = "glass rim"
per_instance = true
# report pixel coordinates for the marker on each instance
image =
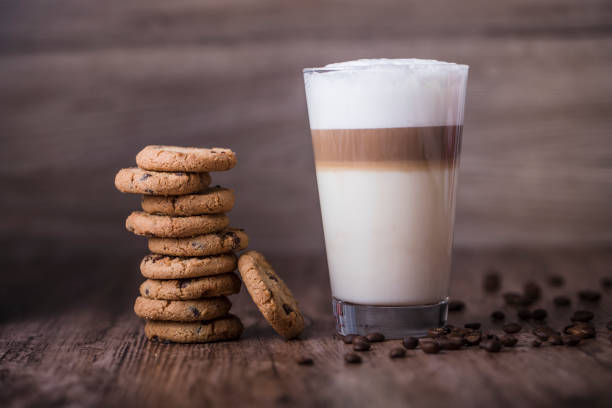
(461, 67)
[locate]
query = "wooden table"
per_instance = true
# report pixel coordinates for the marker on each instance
(93, 353)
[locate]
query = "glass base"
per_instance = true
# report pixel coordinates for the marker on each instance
(395, 322)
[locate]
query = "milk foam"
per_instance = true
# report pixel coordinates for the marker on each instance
(384, 93)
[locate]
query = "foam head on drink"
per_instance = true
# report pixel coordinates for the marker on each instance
(386, 136)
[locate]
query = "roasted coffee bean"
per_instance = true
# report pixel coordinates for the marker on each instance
(450, 343)
(473, 326)
(570, 340)
(397, 352)
(512, 328)
(513, 298)
(581, 329)
(437, 332)
(536, 343)
(492, 346)
(430, 347)
(491, 282)
(508, 340)
(544, 332)
(555, 340)
(410, 343)
(562, 301)
(456, 306)
(305, 361)
(582, 316)
(524, 314)
(556, 280)
(539, 314)
(460, 332)
(348, 339)
(491, 336)
(473, 339)
(606, 283)
(352, 358)
(360, 343)
(532, 291)
(375, 337)
(609, 325)
(498, 315)
(588, 295)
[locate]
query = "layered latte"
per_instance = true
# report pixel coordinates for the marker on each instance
(386, 136)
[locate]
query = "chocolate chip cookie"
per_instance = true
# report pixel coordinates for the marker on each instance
(142, 223)
(192, 159)
(223, 328)
(139, 181)
(271, 295)
(187, 289)
(155, 266)
(214, 200)
(210, 244)
(182, 310)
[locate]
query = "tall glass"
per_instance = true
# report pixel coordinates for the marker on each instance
(386, 136)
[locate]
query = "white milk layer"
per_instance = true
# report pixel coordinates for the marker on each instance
(388, 234)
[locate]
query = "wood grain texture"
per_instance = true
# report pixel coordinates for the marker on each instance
(85, 85)
(95, 354)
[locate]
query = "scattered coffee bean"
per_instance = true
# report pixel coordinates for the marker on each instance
(305, 361)
(555, 340)
(512, 328)
(606, 283)
(361, 345)
(562, 301)
(473, 339)
(437, 332)
(556, 280)
(524, 314)
(375, 337)
(456, 306)
(430, 347)
(609, 325)
(588, 295)
(570, 340)
(460, 332)
(348, 339)
(582, 316)
(544, 332)
(397, 352)
(491, 336)
(491, 282)
(352, 358)
(539, 314)
(498, 315)
(492, 346)
(536, 343)
(581, 329)
(532, 292)
(513, 298)
(410, 343)
(473, 326)
(450, 343)
(508, 340)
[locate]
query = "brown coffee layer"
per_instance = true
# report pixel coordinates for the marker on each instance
(398, 146)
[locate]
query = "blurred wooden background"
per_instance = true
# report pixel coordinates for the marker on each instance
(84, 85)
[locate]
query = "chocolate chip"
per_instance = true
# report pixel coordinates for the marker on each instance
(524, 314)
(397, 352)
(508, 340)
(570, 340)
(184, 283)
(555, 340)
(288, 309)
(272, 277)
(512, 328)
(410, 343)
(166, 341)
(305, 361)
(588, 295)
(473, 326)
(179, 173)
(562, 301)
(456, 306)
(348, 339)
(194, 310)
(539, 314)
(154, 339)
(375, 337)
(498, 315)
(491, 282)
(536, 343)
(582, 316)
(473, 339)
(556, 280)
(146, 291)
(148, 191)
(430, 347)
(352, 358)
(606, 283)
(492, 346)
(144, 177)
(581, 329)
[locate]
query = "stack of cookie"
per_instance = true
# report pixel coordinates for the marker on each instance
(191, 269)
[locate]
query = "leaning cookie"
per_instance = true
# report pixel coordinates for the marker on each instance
(138, 181)
(215, 243)
(155, 266)
(174, 158)
(214, 200)
(224, 328)
(142, 223)
(271, 295)
(187, 289)
(182, 310)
